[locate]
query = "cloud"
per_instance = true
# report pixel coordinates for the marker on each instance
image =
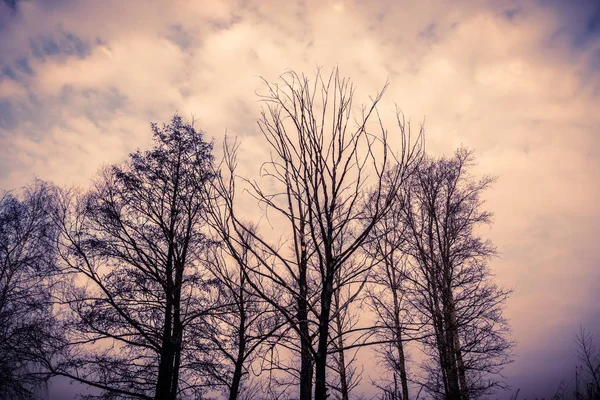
(518, 82)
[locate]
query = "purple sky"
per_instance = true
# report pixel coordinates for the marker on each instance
(518, 81)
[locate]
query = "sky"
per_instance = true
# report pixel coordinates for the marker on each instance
(516, 81)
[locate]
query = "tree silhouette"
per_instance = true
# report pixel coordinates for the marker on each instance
(133, 245)
(588, 375)
(27, 265)
(453, 289)
(324, 157)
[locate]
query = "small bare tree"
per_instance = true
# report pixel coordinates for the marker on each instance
(589, 355)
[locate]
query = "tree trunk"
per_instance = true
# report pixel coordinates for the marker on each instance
(239, 362)
(443, 359)
(340, 345)
(165, 367)
(306, 367)
(452, 372)
(401, 362)
(462, 379)
(237, 379)
(449, 376)
(458, 383)
(167, 356)
(343, 378)
(398, 334)
(177, 331)
(176, 365)
(320, 376)
(167, 353)
(321, 357)
(451, 365)
(306, 359)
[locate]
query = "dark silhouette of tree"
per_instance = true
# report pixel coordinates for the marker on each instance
(453, 288)
(324, 159)
(133, 245)
(167, 291)
(387, 299)
(587, 380)
(241, 329)
(27, 265)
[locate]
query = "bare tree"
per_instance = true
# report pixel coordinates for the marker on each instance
(324, 158)
(27, 264)
(589, 355)
(386, 297)
(240, 330)
(133, 245)
(453, 285)
(293, 303)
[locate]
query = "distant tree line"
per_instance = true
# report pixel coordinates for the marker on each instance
(153, 283)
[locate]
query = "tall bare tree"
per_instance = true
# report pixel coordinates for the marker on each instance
(133, 245)
(324, 158)
(387, 299)
(454, 289)
(27, 264)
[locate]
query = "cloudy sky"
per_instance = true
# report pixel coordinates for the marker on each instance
(517, 81)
